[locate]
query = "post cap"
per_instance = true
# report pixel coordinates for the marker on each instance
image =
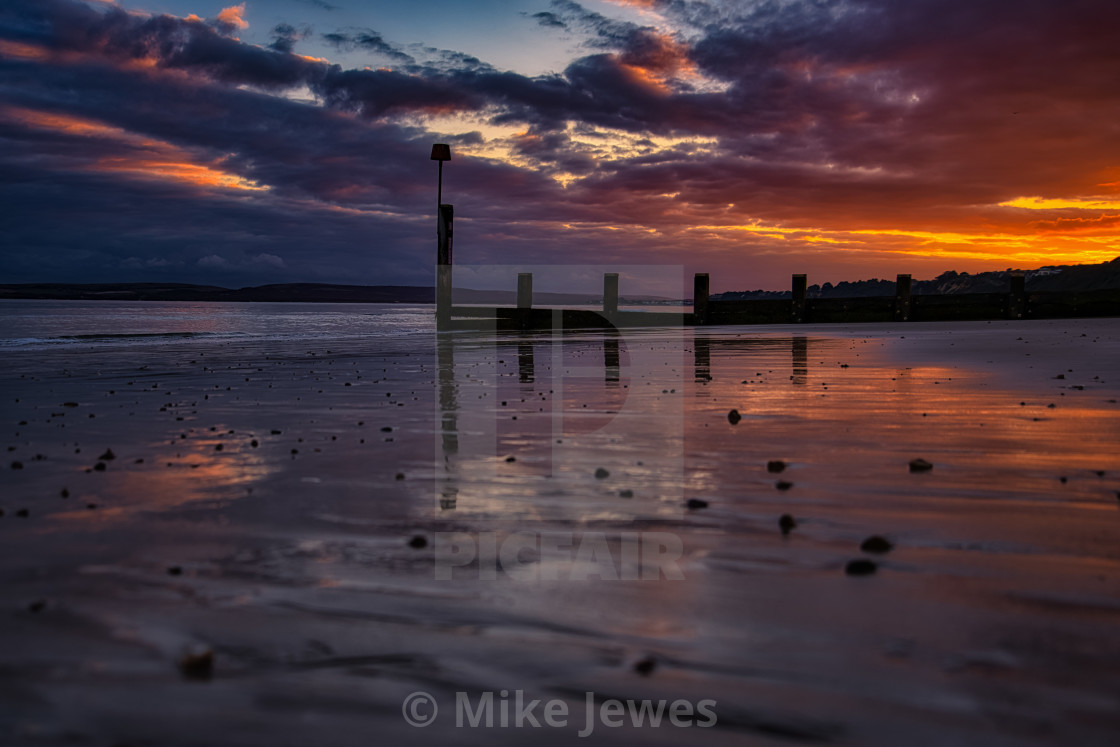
(441, 152)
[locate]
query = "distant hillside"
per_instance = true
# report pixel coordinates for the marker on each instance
(289, 292)
(293, 292)
(1050, 278)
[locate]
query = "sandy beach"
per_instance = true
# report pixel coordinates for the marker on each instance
(278, 543)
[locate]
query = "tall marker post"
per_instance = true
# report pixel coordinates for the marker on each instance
(445, 215)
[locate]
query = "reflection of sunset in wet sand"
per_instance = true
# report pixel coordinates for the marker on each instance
(311, 552)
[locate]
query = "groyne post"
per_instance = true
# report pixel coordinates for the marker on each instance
(902, 299)
(610, 292)
(700, 298)
(524, 290)
(1017, 296)
(444, 218)
(797, 307)
(444, 233)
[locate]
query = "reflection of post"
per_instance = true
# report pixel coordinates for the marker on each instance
(1017, 298)
(449, 426)
(797, 308)
(610, 292)
(902, 299)
(443, 266)
(525, 367)
(610, 357)
(524, 290)
(702, 357)
(800, 360)
(700, 298)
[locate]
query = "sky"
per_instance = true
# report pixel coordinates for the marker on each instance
(238, 144)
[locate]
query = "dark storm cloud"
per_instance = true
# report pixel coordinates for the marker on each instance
(549, 20)
(285, 36)
(367, 39)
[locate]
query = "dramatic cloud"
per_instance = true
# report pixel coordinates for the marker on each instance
(844, 138)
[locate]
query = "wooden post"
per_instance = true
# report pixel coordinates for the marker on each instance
(611, 358)
(1017, 297)
(902, 299)
(797, 308)
(700, 298)
(443, 265)
(524, 290)
(702, 358)
(610, 292)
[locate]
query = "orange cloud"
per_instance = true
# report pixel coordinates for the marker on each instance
(233, 16)
(136, 155)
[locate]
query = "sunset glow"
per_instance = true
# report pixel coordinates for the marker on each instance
(749, 141)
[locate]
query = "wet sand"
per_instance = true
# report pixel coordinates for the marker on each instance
(287, 510)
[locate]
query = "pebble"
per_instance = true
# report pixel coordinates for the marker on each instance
(601, 473)
(107, 455)
(17, 465)
(734, 417)
(418, 542)
(920, 465)
(626, 493)
(775, 466)
(175, 570)
(99, 467)
(197, 663)
(783, 485)
(645, 666)
(786, 523)
(37, 606)
(695, 503)
(860, 568)
(876, 544)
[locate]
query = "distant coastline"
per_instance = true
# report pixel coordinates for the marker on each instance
(287, 293)
(1054, 278)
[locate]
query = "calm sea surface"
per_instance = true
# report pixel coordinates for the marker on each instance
(54, 324)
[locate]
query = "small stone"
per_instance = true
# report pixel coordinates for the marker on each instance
(696, 503)
(626, 493)
(99, 467)
(418, 542)
(1063, 479)
(860, 568)
(37, 606)
(920, 465)
(387, 429)
(197, 663)
(400, 475)
(108, 455)
(783, 485)
(601, 473)
(775, 466)
(17, 465)
(786, 523)
(254, 443)
(876, 544)
(734, 417)
(511, 458)
(276, 432)
(645, 666)
(175, 570)
(69, 404)
(218, 447)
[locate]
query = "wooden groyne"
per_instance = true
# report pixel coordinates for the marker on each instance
(904, 306)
